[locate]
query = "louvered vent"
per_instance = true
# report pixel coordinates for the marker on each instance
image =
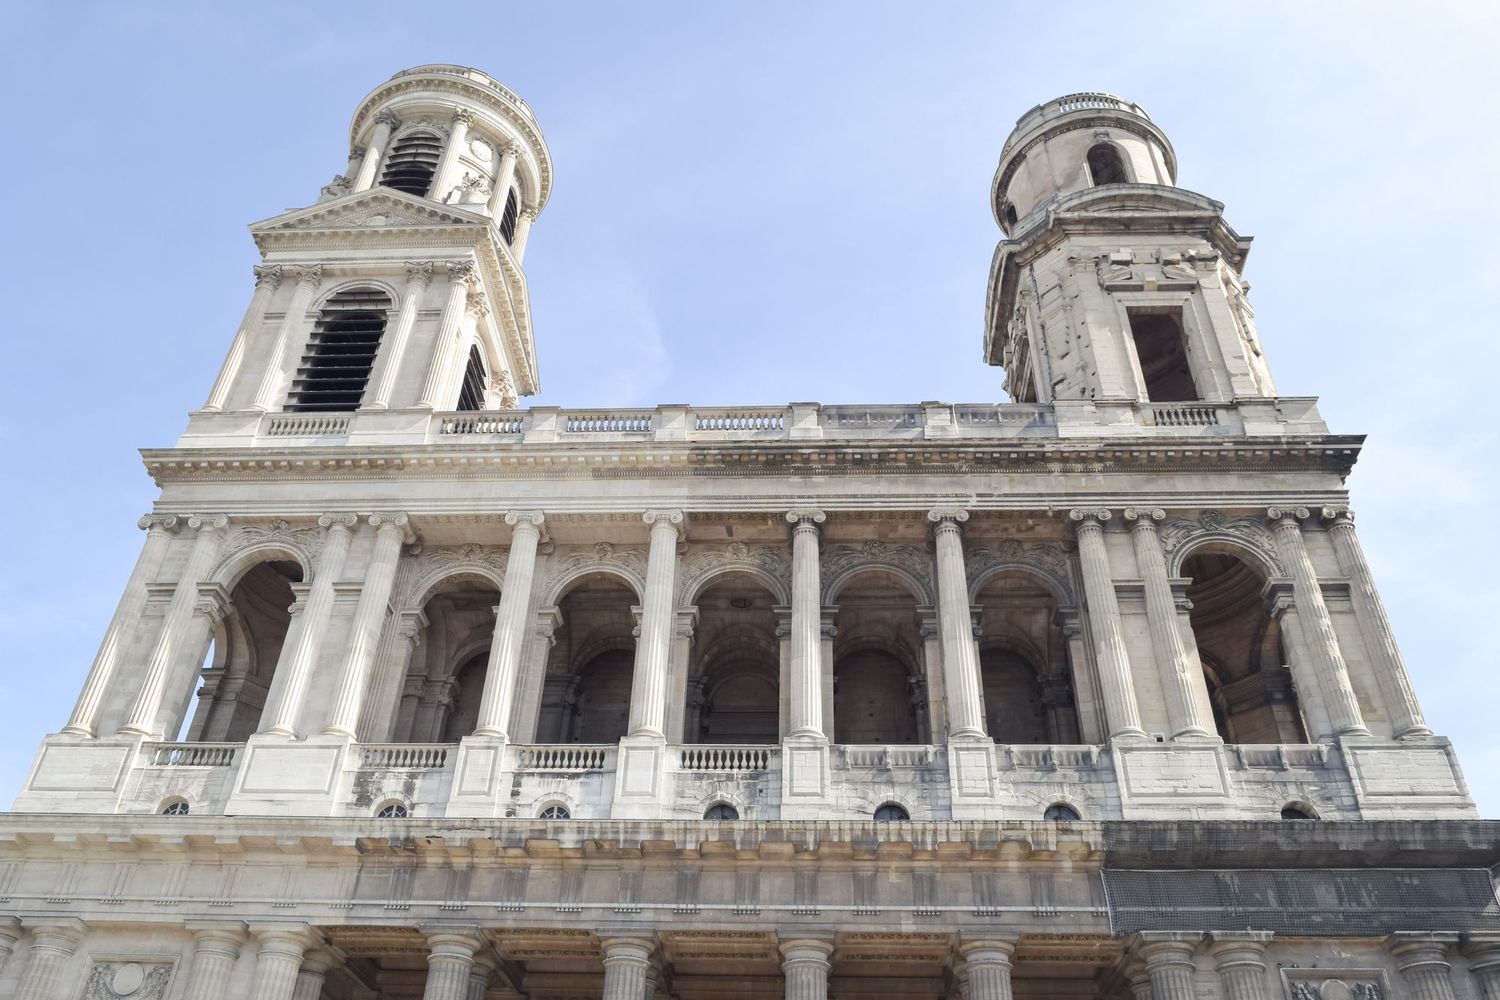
(412, 163)
(471, 396)
(508, 218)
(340, 352)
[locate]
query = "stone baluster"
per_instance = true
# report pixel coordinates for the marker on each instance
(653, 651)
(1241, 960)
(505, 175)
(961, 680)
(277, 961)
(443, 178)
(418, 277)
(54, 941)
(462, 275)
(147, 705)
(391, 532)
(1319, 639)
(159, 530)
(1188, 710)
(450, 957)
(1169, 963)
(988, 963)
(1121, 713)
(216, 949)
(1390, 668)
(1423, 962)
(267, 280)
(1483, 952)
(512, 626)
(314, 970)
(626, 960)
(294, 670)
(309, 277)
(805, 705)
(805, 963)
(523, 230)
(385, 123)
(10, 934)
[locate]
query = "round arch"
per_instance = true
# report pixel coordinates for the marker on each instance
(558, 587)
(354, 284)
(693, 587)
(1216, 543)
(836, 584)
(428, 586)
(1060, 589)
(235, 565)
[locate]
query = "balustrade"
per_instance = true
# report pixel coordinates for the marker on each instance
(403, 756)
(1182, 415)
(191, 754)
(725, 758)
(564, 758)
(307, 425)
(739, 420)
(609, 422)
(481, 423)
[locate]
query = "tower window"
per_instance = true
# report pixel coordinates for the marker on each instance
(412, 163)
(1009, 215)
(891, 813)
(1105, 165)
(1161, 348)
(1293, 810)
(1061, 812)
(393, 810)
(555, 811)
(508, 218)
(722, 812)
(175, 807)
(471, 396)
(340, 352)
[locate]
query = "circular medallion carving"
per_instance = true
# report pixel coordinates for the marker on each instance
(128, 979)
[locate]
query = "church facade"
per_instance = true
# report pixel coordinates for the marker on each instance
(415, 692)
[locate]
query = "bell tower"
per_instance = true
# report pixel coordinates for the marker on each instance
(1114, 285)
(401, 287)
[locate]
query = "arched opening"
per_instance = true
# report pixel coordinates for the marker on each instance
(1296, 810)
(468, 689)
(554, 810)
(1008, 213)
(1028, 687)
(891, 812)
(471, 394)
(392, 810)
(586, 691)
(733, 689)
(412, 162)
(1106, 165)
(508, 217)
(879, 689)
(1061, 812)
(445, 676)
(340, 352)
(1250, 687)
(178, 806)
(244, 653)
(721, 812)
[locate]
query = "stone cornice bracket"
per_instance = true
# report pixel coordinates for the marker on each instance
(1090, 517)
(158, 522)
(267, 274)
(208, 522)
(344, 519)
(535, 518)
(398, 519)
(1338, 517)
(309, 274)
(1144, 516)
(385, 116)
(1279, 516)
(462, 270)
(465, 117)
(419, 272)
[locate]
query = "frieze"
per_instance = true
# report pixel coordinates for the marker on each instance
(1213, 525)
(839, 562)
(1048, 559)
(705, 561)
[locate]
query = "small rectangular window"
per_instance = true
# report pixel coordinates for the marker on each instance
(1161, 349)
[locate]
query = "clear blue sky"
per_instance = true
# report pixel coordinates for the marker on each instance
(755, 203)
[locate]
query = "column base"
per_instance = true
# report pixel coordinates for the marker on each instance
(640, 778)
(283, 777)
(805, 781)
(79, 774)
(476, 778)
(971, 779)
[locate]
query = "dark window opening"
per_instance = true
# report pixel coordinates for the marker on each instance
(412, 163)
(508, 218)
(891, 813)
(471, 396)
(179, 807)
(1105, 165)
(393, 810)
(722, 811)
(1295, 812)
(1009, 214)
(1161, 349)
(1061, 812)
(555, 812)
(340, 353)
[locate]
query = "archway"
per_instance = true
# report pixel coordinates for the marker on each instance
(445, 677)
(879, 688)
(1029, 691)
(586, 690)
(733, 687)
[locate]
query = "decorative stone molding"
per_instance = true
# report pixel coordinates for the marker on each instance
(309, 274)
(128, 981)
(769, 563)
(419, 273)
(343, 519)
(437, 564)
(629, 563)
(465, 117)
(267, 274)
(388, 118)
(304, 542)
(465, 271)
(912, 562)
(1047, 560)
(1181, 536)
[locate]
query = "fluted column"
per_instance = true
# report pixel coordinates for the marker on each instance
(315, 966)
(1169, 963)
(505, 174)
(1281, 605)
(523, 230)
(461, 276)
(1181, 675)
(1319, 639)
(956, 627)
(216, 948)
(480, 974)
(458, 134)
(385, 122)
(626, 960)
(53, 944)
(296, 664)
(147, 704)
(159, 529)
(1483, 952)
(309, 277)
(1241, 960)
(988, 963)
(1139, 980)
(418, 277)
(1423, 962)
(653, 650)
(512, 626)
(450, 956)
(1121, 713)
(1390, 668)
(391, 532)
(277, 961)
(805, 704)
(267, 279)
(805, 964)
(10, 933)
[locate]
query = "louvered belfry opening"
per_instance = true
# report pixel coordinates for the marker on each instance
(412, 163)
(508, 218)
(340, 352)
(471, 396)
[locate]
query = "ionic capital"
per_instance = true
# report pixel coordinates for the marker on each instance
(1338, 517)
(388, 118)
(1287, 517)
(464, 117)
(464, 271)
(309, 274)
(418, 273)
(805, 517)
(1090, 517)
(943, 516)
(208, 522)
(158, 522)
(267, 274)
(1144, 517)
(665, 518)
(343, 519)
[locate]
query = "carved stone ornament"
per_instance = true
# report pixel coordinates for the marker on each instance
(705, 561)
(385, 116)
(1087, 516)
(128, 981)
(418, 272)
(441, 562)
(630, 562)
(1050, 561)
(339, 520)
(938, 515)
(267, 274)
(307, 541)
(309, 274)
(659, 516)
(464, 117)
(911, 561)
(805, 515)
(336, 188)
(1312, 984)
(505, 387)
(462, 270)
(1212, 525)
(158, 522)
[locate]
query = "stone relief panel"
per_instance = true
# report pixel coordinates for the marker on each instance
(132, 980)
(705, 561)
(1318, 984)
(1212, 525)
(435, 564)
(1048, 560)
(305, 540)
(914, 562)
(629, 561)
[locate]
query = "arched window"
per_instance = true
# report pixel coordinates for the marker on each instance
(721, 811)
(471, 396)
(891, 813)
(1009, 215)
(175, 807)
(1105, 165)
(340, 352)
(392, 810)
(1061, 812)
(508, 218)
(1294, 811)
(555, 811)
(412, 163)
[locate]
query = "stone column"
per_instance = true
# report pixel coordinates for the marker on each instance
(504, 176)
(294, 670)
(442, 177)
(53, 944)
(10, 933)
(462, 274)
(315, 966)
(805, 964)
(626, 960)
(1139, 980)
(1281, 605)
(1483, 952)
(1169, 963)
(309, 277)
(653, 651)
(523, 230)
(1423, 961)
(805, 706)
(1181, 675)
(385, 122)
(159, 529)
(147, 704)
(216, 948)
(1390, 669)
(1121, 713)
(988, 964)
(961, 681)
(267, 279)
(277, 961)
(418, 277)
(1241, 958)
(1318, 636)
(480, 974)
(450, 956)
(512, 626)
(391, 532)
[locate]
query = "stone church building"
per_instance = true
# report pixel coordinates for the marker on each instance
(418, 692)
